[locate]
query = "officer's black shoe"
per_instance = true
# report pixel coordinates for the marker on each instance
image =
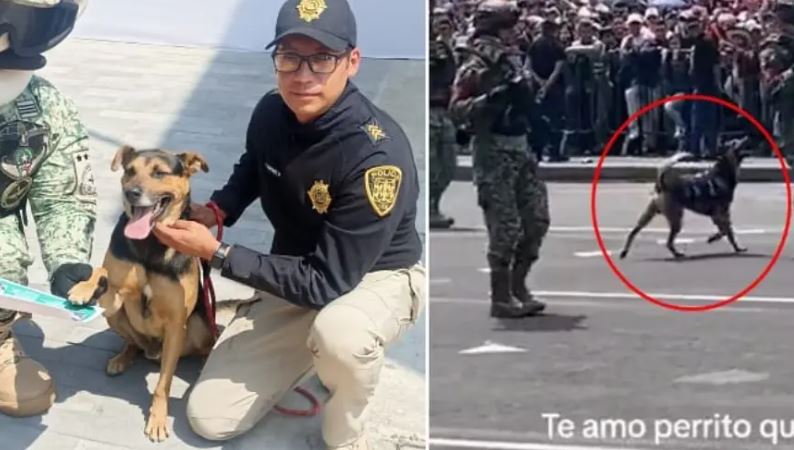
(503, 305)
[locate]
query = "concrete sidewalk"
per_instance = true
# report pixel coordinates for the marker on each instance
(192, 99)
(626, 168)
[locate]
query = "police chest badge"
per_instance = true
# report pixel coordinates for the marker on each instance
(320, 197)
(382, 184)
(309, 10)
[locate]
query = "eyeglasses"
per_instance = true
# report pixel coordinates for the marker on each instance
(318, 62)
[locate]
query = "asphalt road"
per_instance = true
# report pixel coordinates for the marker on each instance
(674, 380)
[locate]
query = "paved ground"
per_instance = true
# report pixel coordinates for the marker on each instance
(601, 352)
(630, 168)
(201, 100)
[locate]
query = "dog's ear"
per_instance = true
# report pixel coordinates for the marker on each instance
(193, 162)
(123, 156)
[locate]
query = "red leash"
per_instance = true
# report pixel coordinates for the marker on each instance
(209, 306)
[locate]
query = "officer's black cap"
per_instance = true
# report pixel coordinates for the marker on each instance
(330, 22)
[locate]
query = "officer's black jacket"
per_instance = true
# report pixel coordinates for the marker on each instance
(317, 257)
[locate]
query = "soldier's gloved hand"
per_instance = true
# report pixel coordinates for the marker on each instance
(69, 274)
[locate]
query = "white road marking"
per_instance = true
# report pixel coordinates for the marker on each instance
(491, 347)
(440, 280)
(734, 376)
(484, 270)
(594, 253)
(657, 230)
(663, 296)
(480, 230)
(497, 445)
(677, 241)
(591, 254)
(628, 295)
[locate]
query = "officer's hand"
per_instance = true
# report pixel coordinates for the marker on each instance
(204, 215)
(188, 237)
(69, 274)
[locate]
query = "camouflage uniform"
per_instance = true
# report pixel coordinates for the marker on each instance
(492, 96)
(782, 89)
(442, 155)
(45, 162)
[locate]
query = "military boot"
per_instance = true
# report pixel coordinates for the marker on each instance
(26, 389)
(503, 305)
(519, 288)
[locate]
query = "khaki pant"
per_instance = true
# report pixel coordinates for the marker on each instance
(272, 345)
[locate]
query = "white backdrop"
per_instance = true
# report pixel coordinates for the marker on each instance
(386, 28)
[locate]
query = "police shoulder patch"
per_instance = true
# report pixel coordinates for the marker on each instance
(374, 131)
(382, 185)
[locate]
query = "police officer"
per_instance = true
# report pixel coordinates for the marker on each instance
(492, 95)
(44, 163)
(442, 154)
(336, 177)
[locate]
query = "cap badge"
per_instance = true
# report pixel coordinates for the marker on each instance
(309, 10)
(320, 197)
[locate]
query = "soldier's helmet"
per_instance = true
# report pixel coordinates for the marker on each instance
(494, 15)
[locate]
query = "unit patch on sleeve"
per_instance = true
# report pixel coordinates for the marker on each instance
(382, 185)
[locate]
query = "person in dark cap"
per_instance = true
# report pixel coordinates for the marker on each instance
(336, 177)
(547, 59)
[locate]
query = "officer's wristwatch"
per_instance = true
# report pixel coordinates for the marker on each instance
(219, 256)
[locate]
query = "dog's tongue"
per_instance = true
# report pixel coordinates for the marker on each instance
(140, 224)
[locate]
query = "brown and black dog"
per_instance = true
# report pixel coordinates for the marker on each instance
(151, 292)
(709, 193)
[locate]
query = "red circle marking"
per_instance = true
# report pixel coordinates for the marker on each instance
(597, 175)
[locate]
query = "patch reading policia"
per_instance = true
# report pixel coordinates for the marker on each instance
(309, 10)
(320, 197)
(383, 184)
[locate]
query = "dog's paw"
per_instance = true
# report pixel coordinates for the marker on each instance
(89, 291)
(678, 255)
(714, 238)
(120, 363)
(623, 254)
(157, 427)
(86, 292)
(740, 249)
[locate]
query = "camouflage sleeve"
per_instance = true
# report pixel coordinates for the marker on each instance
(469, 104)
(63, 196)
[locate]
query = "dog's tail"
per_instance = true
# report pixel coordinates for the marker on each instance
(666, 165)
